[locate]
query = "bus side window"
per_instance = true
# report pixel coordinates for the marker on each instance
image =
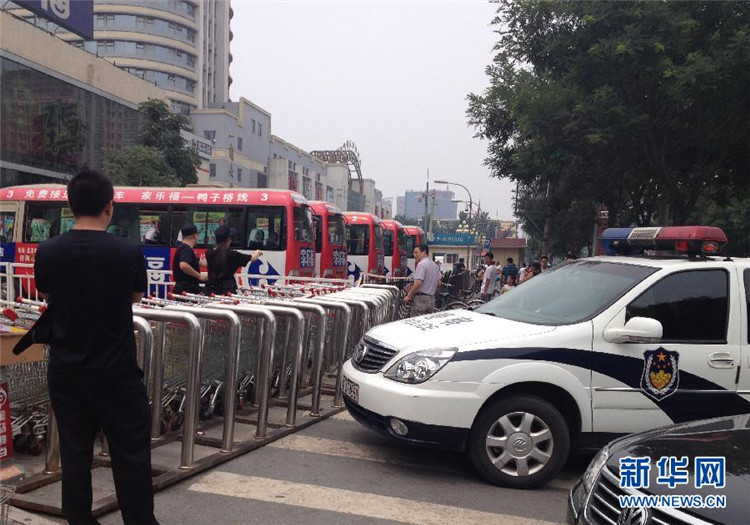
(179, 221)
(124, 222)
(7, 226)
(153, 225)
(42, 221)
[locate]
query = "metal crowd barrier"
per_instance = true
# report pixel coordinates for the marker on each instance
(198, 353)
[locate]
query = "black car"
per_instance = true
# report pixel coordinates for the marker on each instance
(594, 499)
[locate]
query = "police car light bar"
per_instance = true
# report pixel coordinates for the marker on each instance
(691, 240)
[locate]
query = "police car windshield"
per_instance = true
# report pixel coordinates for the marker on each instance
(569, 294)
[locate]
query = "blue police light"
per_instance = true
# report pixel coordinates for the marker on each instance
(614, 241)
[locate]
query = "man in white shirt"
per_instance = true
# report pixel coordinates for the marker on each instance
(490, 274)
(426, 279)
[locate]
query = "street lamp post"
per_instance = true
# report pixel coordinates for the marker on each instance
(471, 203)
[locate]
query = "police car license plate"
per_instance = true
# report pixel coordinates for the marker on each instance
(350, 389)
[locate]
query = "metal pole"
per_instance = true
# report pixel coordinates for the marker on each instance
(233, 358)
(268, 333)
(194, 373)
(394, 290)
(353, 339)
(344, 334)
(317, 373)
(157, 380)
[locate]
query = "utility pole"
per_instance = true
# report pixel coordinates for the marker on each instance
(427, 221)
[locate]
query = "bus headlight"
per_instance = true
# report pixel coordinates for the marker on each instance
(419, 366)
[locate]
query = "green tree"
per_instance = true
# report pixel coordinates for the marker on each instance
(640, 106)
(140, 166)
(160, 158)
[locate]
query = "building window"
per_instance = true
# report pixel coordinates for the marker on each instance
(239, 143)
(212, 171)
(239, 174)
(209, 134)
(260, 129)
(290, 165)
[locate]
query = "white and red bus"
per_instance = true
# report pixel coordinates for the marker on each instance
(364, 241)
(278, 222)
(414, 237)
(394, 245)
(330, 240)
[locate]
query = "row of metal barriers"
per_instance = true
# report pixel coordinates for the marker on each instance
(210, 363)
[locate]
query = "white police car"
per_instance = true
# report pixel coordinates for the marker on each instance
(569, 360)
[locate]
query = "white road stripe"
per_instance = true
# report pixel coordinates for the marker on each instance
(348, 501)
(346, 449)
(376, 454)
(344, 416)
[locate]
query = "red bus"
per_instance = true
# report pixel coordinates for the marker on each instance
(330, 240)
(364, 241)
(278, 222)
(394, 244)
(414, 237)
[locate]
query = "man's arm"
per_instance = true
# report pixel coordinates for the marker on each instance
(413, 291)
(185, 267)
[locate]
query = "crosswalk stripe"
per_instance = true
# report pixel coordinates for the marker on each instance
(344, 416)
(346, 449)
(348, 501)
(376, 454)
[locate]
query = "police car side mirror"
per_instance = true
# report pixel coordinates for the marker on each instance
(636, 330)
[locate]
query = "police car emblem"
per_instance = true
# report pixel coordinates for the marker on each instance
(661, 375)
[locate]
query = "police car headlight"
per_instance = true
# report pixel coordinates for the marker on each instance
(420, 366)
(589, 477)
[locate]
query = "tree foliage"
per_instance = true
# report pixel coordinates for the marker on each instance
(160, 158)
(640, 106)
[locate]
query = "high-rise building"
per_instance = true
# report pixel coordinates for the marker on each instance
(179, 45)
(444, 208)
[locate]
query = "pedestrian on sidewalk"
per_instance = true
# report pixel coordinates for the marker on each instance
(509, 270)
(426, 279)
(488, 280)
(90, 279)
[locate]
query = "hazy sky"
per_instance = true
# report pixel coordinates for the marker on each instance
(391, 76)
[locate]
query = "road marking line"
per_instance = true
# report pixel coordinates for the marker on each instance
(344, 416)
(345, 449)
(348, 501)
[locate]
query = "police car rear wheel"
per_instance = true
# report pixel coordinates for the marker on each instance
(520, 442)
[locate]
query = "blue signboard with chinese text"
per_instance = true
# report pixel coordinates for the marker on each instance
(453, 239)
(74, 15)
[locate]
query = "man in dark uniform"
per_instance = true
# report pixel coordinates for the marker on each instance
(90, 279)
(186, 267)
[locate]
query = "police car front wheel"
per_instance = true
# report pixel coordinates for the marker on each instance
(519, 442)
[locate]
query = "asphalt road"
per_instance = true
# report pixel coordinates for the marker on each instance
(338, 472)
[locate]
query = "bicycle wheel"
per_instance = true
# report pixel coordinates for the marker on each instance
(473, 305)
(456, 305)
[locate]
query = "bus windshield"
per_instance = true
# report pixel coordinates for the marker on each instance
(303, 224)
(402, 243)
(388, 242)
(336, 229)
(378, 237)
(411, 243)
(358, 239)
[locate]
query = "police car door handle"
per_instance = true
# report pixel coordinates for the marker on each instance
(721, 360)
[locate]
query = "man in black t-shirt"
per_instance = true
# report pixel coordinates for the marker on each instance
(185, 265)
(90, 279)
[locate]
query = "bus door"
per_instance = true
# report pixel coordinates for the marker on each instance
(360, 247)
(334, 247)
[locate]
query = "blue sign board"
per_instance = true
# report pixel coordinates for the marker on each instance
(74, 15)
(453, 239)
